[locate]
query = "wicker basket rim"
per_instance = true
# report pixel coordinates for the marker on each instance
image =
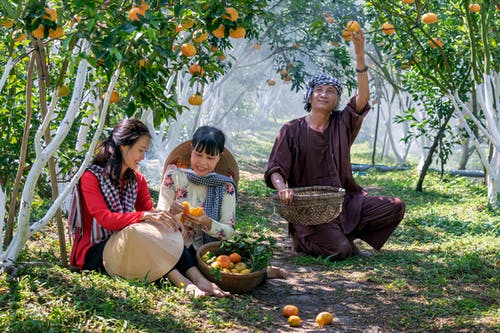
(322, 192)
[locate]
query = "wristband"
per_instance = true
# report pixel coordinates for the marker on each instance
(362, 70)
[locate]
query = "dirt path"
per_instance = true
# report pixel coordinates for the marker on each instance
(316, 288)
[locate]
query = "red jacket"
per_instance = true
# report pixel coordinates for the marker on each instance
(94, 205)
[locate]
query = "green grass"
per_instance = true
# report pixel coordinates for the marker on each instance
(438, 272)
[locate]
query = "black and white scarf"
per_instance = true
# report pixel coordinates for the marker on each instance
(216, 188)
(117, 201)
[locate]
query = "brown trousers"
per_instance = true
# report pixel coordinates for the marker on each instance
(379, 217)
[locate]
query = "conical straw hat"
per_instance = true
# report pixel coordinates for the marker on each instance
(146, 250)
(181, 157)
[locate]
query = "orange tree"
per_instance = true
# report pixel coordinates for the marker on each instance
(71, 66)
(451, 57)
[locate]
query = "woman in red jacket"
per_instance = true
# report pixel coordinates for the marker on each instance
(112, 195)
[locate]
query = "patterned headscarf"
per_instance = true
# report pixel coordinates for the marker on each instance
(320, 80)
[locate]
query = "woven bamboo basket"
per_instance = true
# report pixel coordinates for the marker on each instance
(235, 283)
(311, 205)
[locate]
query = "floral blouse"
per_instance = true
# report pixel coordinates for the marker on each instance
(176, 186)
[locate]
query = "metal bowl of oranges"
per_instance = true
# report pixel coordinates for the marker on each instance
(230, 271)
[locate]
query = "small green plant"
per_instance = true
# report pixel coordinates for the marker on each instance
(260, 250)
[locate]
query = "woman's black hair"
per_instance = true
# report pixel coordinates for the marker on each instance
(109, 156)
(208, 139)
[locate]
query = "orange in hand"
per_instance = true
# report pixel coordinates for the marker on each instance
(195, 211)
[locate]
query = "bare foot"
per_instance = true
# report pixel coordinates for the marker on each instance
(274, 272)
(212, 289)
(195, 291)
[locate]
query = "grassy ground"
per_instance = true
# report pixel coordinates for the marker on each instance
(439, 272)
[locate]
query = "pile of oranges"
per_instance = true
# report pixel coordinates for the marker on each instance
(292, 313)
(227, 263)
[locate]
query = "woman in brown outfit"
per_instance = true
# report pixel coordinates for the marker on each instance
(315, 150)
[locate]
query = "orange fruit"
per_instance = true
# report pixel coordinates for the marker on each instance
(195, 69)
(219, 32)
(224, 261)
(329, 19)
(50, 14)
(200, 36)
(287, 78)
(143, 62)
(187, 23)
(231, 14)
(429, 18)
(352, 26)
(408, 1)
(186, 205)
(474, 7)
(63, 91)
(283, 72)
(143, 6)
(115, 97)
(39, 32)
(188, 50)
(196, 211)
(346, 35)
(195, 99)
(294, 321)
(135, 14)
(235, 257)
(222, 57)
(271, 82)
(290, 310)
(20, 38)
(324, 318)
(216, 265)
(435, 42)
(7, 23)
(388, 28)
(56, 33)
(239, 32)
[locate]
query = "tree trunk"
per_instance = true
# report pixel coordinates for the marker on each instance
(432, 149)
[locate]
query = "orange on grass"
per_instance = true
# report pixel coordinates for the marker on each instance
(224, 260)
(239, 32)
(352, 26)
(135, 14)
(324, 318)
(231, 14)
(429, 18)
(388, 28)
(195, 99)
(50, 14)
(474, 7)
(290, 310)
(235, 257)
(294, 321)
(219, 32)
(188, 50)
(408, 1)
